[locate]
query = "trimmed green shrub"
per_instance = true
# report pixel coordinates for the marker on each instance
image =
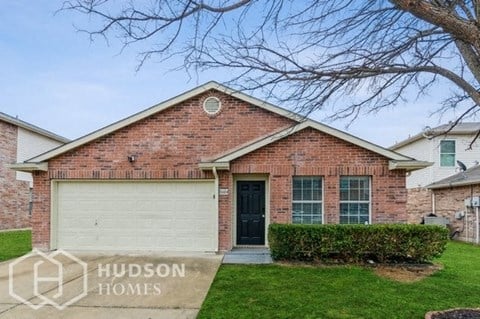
(383, 243)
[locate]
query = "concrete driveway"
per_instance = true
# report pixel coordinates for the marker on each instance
(126, 286)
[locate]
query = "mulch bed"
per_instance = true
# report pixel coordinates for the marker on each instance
(454, 314)
(406, 272)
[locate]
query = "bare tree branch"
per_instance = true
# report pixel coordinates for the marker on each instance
(352, 56)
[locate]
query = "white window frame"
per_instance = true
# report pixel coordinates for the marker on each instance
(369, 202)
(321, 201)
(440, 153)
(219, 105)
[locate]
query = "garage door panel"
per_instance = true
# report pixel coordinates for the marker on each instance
(177, 216)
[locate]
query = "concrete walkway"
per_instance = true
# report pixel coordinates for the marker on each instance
(119, 287)
(248, 256)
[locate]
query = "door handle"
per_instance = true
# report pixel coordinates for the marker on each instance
(263, 215)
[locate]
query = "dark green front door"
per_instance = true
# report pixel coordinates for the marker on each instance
(251, 213)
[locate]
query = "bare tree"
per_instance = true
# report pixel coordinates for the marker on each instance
(355, 56)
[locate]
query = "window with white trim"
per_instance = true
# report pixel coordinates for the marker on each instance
(447, 153)
(307, 195)
(212, 105)
(354, 199)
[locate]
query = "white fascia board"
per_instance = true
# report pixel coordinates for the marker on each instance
(411, 165)
(207, 166)
(453, 184)
(29, 167)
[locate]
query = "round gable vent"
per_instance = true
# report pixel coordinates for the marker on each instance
(211, 105)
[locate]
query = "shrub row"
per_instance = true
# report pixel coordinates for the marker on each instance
(385, 243)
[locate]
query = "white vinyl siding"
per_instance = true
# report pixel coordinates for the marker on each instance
(30, 144)
(307, 196)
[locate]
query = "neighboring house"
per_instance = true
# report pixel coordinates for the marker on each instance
(208, 170)
(457, 198)
(19, 141)
(442, 150)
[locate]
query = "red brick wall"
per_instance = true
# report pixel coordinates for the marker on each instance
(14, 195)
(170, 144)
(448, 201)
(310, 152)
(419, 204)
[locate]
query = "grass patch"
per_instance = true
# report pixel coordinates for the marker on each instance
(275, 291)
(15, 243)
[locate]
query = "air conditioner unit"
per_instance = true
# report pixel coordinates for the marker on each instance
(443, 221)
(472, 201)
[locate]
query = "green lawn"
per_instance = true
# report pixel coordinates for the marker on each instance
(15, 243)
(273, 291)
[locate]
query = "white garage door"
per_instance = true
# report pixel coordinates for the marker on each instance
(161, 216)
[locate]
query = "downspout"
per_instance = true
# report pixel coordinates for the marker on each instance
(433, 202)
(466, 215)
(217, 184)
(477, 224)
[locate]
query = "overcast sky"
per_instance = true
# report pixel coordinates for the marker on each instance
(54, 77)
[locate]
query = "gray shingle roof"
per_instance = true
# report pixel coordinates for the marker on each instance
(469, 177)
(30, 127)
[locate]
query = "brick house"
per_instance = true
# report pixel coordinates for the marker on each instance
(451, 198)
(208, 170)
(19, 141)
(442, 146)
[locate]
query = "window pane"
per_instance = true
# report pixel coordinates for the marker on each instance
(363, 219)
(447, 160)
(354, 194)
(297, 183)
(317, 189)
(365, 194)
(316, 219)
(447, 147)
(307, 189)
(297, 188)
(297, 194)
(447, 153)
(354, 220)
(354, 183)
(363, 208)
(307, 196)
(354, 199)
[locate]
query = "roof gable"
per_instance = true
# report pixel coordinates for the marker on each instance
(163, 106)
(240, 151)
(397, 161)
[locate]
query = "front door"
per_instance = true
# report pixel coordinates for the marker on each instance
(250, 213)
